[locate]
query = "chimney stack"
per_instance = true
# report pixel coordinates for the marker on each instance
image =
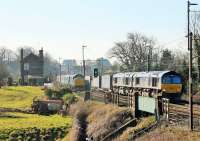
(41, 53)
(42, 59)
(22, 65)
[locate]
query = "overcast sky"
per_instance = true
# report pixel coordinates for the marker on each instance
(61, 27)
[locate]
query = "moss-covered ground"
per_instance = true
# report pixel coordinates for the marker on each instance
(18, 97)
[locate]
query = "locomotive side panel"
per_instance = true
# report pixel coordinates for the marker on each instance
(148, 83)
(118, 80)
(106, 82)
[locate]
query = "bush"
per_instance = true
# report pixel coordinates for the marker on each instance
(70, 99)
(57, 92)
(48, 93)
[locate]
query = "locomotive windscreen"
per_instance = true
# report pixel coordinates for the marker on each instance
(171, 79)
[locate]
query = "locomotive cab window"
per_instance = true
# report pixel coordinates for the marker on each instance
(115, 80)
(171, 79)
(154, 82)
(176, 80)
(126, 80)
(137, 80)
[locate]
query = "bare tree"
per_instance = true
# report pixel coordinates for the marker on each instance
(167, 60)
(195, 27)
(134, 53)
(2, 54)
(6, 55)
(3, 68)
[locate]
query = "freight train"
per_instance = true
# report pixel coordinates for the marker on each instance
(153, 83)
(76, 81)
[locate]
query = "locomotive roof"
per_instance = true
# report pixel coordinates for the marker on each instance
(142, 74)
(73, 75)
(118, 75)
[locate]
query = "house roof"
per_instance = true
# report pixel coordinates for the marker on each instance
(31, 56)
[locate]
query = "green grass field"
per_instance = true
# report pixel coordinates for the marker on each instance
(23, 121)
(22, 97)
(18, 97)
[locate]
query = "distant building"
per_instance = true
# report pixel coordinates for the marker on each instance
(79, 70)
(32, 68)
(103, 65)
(71, 66)
(68, 66)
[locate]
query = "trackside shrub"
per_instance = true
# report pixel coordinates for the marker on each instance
(57, 92)
(70, 99)
(35, 134)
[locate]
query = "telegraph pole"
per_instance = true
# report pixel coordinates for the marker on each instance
(149, 58)
(190, 83)
(188, 25)
(190, 37)
(101, 66)
(83, 60)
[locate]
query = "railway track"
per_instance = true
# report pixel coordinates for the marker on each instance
(176, 113)
(101, 96)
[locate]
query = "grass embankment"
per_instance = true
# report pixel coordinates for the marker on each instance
(21, 97)
(100, 119)
(171, 134)
(22, 122)
(142, 123)
(18, 97)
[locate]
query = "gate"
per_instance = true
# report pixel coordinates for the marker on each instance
(146, 104)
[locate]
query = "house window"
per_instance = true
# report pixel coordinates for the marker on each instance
(137, 80)
(154, 82)
(26, 66)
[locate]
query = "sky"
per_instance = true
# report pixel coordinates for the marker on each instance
(61, 27)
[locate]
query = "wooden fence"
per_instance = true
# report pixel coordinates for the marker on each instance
(179, 114)
(116, 99)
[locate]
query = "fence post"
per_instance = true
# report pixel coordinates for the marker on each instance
(129, 100)
(136, 105)
(117, 99)
(104, 95)
(112, 98)
(132, 100)
(167, 110)
(157, 111)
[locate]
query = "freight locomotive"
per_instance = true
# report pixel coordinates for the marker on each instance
(153, 83)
